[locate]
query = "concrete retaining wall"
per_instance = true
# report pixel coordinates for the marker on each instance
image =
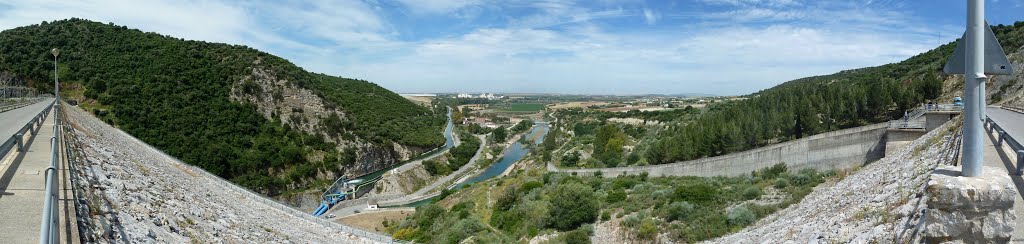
(831, 150)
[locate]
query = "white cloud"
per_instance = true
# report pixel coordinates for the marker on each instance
(650, 17)
(438, 6)
(556, 46)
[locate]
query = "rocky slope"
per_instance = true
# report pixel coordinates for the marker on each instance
(136, 194)
(881, 202)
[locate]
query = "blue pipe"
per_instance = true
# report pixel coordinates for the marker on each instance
(320, 210)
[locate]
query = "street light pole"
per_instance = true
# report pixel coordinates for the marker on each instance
(56, 82)
(974, 76)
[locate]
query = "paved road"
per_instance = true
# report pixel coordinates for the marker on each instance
(12, 121)
(1012, 122)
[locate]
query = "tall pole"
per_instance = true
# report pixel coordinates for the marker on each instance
(56, 82)
(974, 77)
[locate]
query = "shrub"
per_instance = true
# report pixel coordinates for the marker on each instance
(578, 236)
(774, 171)
(426, 214)
(677, 211)
(696, 193)
(572, 205)
(781, 183)
(801, 179)
(606, 215)
(741, 216)
(647, 230)
(530, 185)
(615, 196)
(752, 192)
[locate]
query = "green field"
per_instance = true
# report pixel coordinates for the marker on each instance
(524, 107)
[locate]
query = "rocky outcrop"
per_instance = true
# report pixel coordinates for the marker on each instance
(300, 108)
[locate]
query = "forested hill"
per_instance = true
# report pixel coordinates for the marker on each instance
(817, 104)
(240, 113)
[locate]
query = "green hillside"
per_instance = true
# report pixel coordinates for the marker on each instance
(812, 105)
(174, 94)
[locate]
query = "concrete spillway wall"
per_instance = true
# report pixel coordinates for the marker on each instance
(831, 150)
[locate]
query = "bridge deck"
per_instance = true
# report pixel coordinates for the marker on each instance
(22, 185)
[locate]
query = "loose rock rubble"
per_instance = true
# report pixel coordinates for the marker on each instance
(880, 203)
(145, 196)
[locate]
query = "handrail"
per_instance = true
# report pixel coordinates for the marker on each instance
(1005, 137)
(48, 228)
(901, 124)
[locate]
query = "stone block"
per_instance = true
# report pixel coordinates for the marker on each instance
(994, 190)
(998, 225)
(945, 224)
(969, 209)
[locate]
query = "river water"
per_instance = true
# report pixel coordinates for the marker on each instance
(514, 153)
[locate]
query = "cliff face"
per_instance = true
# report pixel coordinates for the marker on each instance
(299, 108)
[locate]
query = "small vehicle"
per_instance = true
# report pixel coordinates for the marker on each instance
(957, 101)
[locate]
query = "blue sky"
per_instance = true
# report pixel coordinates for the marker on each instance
(725, 47)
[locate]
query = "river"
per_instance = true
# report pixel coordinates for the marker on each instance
(514, 153)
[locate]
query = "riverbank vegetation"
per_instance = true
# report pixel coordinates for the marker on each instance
(563, 207)
(455, 158)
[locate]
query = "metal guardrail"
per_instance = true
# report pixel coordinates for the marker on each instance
(942, 107)
(15, 105)
(910, 120)
(32, 126)
(1014, 108)
(1004, 137)
(48, 229)
(902, 124)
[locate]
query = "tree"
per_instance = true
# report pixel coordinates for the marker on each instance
(499, 134)
(572, 205)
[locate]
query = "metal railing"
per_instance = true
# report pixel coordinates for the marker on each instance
(1014, 108)
(902, 124)
(48, 229)
(7, 106)
(910, 121)
(942, 107)
(32, 126)
(1003, 137)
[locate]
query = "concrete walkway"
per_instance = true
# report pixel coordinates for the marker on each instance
(1003, 157)
(22, 191)
(22, 186)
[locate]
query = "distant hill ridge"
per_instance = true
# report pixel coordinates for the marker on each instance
(245, 115)
(817, 104)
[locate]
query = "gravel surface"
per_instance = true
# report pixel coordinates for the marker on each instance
(150, 197)
(880, 203)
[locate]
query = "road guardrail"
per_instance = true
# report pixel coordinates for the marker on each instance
(33, 126)
(1003, 137)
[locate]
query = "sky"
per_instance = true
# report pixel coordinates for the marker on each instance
(722, 47)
